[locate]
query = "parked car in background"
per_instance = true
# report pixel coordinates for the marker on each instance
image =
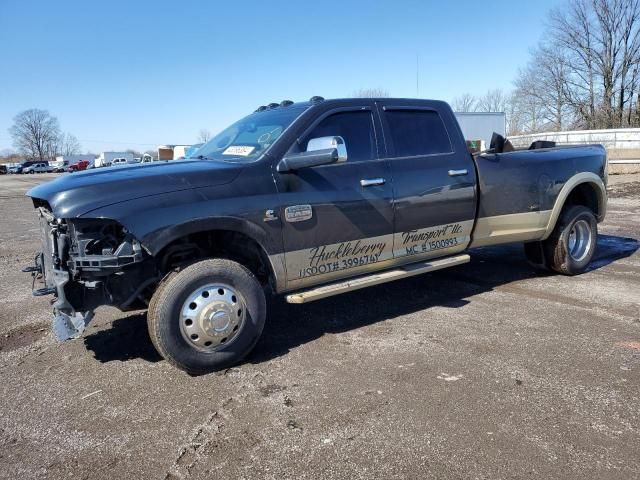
(62, 162)
(3, 170)
(77, 167)
(106, 159)
(59, 166)
(40, 167)
(120, 161)
(19, 168)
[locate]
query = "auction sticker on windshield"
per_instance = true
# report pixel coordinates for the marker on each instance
(242, 150)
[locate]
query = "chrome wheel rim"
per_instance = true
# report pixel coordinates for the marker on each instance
(579, 240)
(212, 316)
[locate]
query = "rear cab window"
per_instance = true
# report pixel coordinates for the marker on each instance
(416, 132)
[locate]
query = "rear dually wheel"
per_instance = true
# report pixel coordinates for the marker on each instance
(571, 246)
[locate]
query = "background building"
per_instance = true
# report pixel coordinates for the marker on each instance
(481, 125)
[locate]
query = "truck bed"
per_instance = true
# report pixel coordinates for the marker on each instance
(519, 190)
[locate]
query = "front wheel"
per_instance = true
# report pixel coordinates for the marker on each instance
(208, 316)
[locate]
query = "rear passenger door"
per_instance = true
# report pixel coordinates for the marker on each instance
(434, 180)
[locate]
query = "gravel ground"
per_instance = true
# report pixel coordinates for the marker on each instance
(488, 370)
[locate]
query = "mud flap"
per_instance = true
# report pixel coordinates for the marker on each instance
(536, 255)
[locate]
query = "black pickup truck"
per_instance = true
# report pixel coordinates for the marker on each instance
(308, 200)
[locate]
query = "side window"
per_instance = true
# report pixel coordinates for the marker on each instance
(356, 128)
(417, 132)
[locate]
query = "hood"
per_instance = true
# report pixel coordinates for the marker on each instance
(75, 194)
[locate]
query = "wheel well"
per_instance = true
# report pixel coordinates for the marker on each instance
(585, 194)
(227, 244)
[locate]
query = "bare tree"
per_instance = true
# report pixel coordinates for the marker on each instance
(204, 135)
(572, 31)
(69, 144)
(465, 103)
(493, 101)
(515, 117)
(371, 93)
(600, 40)
(34, 133)
(53, 147)
(630, 38)
(541, 89)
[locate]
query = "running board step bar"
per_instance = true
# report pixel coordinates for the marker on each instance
(376, 279)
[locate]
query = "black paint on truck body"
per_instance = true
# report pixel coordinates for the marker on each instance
(530, 180)
(423, 208)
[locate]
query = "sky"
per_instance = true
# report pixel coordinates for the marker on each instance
(137, 74)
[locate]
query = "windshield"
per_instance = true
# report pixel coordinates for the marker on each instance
(247, 139)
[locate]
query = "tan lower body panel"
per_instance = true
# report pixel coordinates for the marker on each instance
(375, 279)
(330, 263)
(516, 227)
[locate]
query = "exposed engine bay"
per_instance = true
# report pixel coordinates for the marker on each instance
(83, 264)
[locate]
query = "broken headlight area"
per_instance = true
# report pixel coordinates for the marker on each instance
(108, 265)
(101, 247)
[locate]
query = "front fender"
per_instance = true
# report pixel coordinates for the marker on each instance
(155, 241)
(239, 207)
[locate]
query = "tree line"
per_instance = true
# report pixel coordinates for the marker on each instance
(37, 136)
(584, 74)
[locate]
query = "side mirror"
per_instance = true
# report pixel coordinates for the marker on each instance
(320, 151)
(322, 143)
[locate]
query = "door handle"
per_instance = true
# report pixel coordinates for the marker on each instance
(371, 182)
(455, 173)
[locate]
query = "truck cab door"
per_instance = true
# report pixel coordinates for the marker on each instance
(434, 180)
(337, 218)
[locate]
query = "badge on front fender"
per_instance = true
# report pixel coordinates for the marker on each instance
(298, 213)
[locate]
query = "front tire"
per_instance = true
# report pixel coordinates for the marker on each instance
(208, 316)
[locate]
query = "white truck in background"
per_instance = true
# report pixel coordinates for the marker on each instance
(106, 159)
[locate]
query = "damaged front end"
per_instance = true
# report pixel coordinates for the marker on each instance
(86, 263)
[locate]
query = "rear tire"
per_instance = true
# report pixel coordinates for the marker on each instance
(208, 316)
(572, 243)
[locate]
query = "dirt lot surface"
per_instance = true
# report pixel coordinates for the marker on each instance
(488, 370)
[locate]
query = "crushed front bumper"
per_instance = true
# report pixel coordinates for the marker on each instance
(50, 269)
